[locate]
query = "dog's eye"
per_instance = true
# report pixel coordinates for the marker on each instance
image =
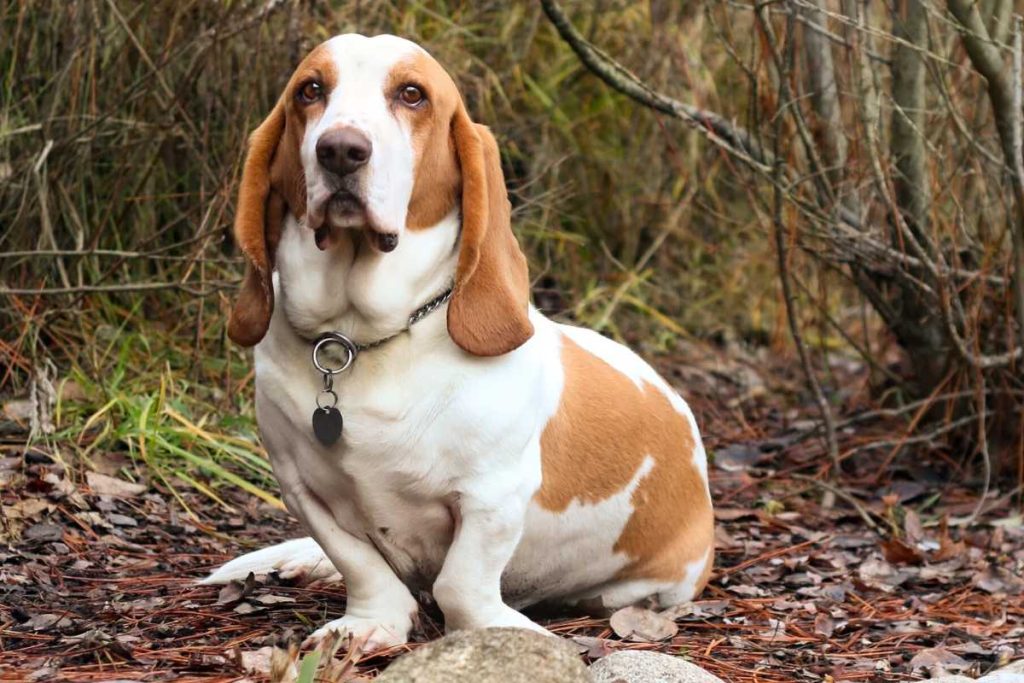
(310, 92)
(410, 95)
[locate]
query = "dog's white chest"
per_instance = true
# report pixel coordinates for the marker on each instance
(381, 480)
(417, 428)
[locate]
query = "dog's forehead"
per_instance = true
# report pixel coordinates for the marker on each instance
(358, 56)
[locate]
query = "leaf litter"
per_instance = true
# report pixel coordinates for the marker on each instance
(98, 574)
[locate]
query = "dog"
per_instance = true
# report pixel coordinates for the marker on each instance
(460, 443)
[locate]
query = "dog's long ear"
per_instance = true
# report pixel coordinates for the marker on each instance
(258, 219)
(488, 312)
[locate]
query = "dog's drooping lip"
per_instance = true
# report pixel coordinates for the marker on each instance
(344, 210)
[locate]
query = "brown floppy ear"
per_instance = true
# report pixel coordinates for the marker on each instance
(488, 312)
(258, 218)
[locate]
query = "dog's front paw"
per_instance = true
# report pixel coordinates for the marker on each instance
(505, 617)
(367, 634)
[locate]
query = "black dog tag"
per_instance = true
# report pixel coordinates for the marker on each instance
(327, 425)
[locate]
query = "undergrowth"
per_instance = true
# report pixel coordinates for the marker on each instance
(122, 131)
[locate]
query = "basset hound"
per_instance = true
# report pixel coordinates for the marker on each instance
(460, 442)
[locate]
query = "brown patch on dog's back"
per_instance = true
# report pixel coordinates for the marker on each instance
(593, 447)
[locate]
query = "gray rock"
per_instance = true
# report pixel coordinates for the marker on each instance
(638, 666)
(951, 679)
(1011, 673)
(493, 655)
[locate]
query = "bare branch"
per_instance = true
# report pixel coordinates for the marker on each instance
(207, 288)
(733, 139)
(1006, 109)
(784, 64)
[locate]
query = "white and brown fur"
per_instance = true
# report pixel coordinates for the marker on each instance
(489, 455)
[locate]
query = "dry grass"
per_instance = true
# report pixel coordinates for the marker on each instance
(122, 128)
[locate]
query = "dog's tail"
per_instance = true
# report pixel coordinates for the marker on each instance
(300, 559)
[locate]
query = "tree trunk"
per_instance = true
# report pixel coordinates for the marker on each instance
(920, 329)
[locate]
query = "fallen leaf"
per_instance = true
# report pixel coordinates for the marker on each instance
(248, 608)
(121, 520)
(102, 485)
(936, 660)
(45, 622)
(738, 457)
(998, 580)
(642, 625)
(273, 599)
(775, 629)
(709, 608)
(913, 528)
(44, 532)
(19, 409)
(594, 648)
(747, 591)
(1012, 522)
(897, 552)
(824, 625)
(256, 661)
(70, 390)
(236, 590)
(948, 548)
(28, 508)
(879, 574)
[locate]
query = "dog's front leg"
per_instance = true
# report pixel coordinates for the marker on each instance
(380, 610)
(468, 588)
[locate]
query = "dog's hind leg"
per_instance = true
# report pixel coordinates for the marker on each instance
(300, 559)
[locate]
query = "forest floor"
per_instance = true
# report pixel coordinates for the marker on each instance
(97, 575)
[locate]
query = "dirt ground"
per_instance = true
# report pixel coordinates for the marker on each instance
(98, 576)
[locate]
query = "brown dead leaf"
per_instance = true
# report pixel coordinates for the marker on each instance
(72, 391)
(102, 485)
(897, 552)
(236, 590)
(998, 580)
(879, 574)
(28, 509)
(913, 528)
(824, 625)
(44, 532)
(45, 622)
(642, 625)
(19, 410)
(273, 599)
(738, 457)
(257, 661)
(948, 548)
(936, 660)
(248, 608)
(594, 648)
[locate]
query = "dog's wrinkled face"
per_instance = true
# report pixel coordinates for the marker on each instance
(370, 119)
(371, 135)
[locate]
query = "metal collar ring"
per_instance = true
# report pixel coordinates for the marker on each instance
(334, 338)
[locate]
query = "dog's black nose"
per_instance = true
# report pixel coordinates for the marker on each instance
(342, 150)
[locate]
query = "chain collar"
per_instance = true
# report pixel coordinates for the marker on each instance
(327, 419)
(353, 349)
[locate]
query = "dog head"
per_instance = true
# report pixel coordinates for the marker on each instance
(371, 134)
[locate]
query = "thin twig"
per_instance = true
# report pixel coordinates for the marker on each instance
(782, 258)
(211, 287)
